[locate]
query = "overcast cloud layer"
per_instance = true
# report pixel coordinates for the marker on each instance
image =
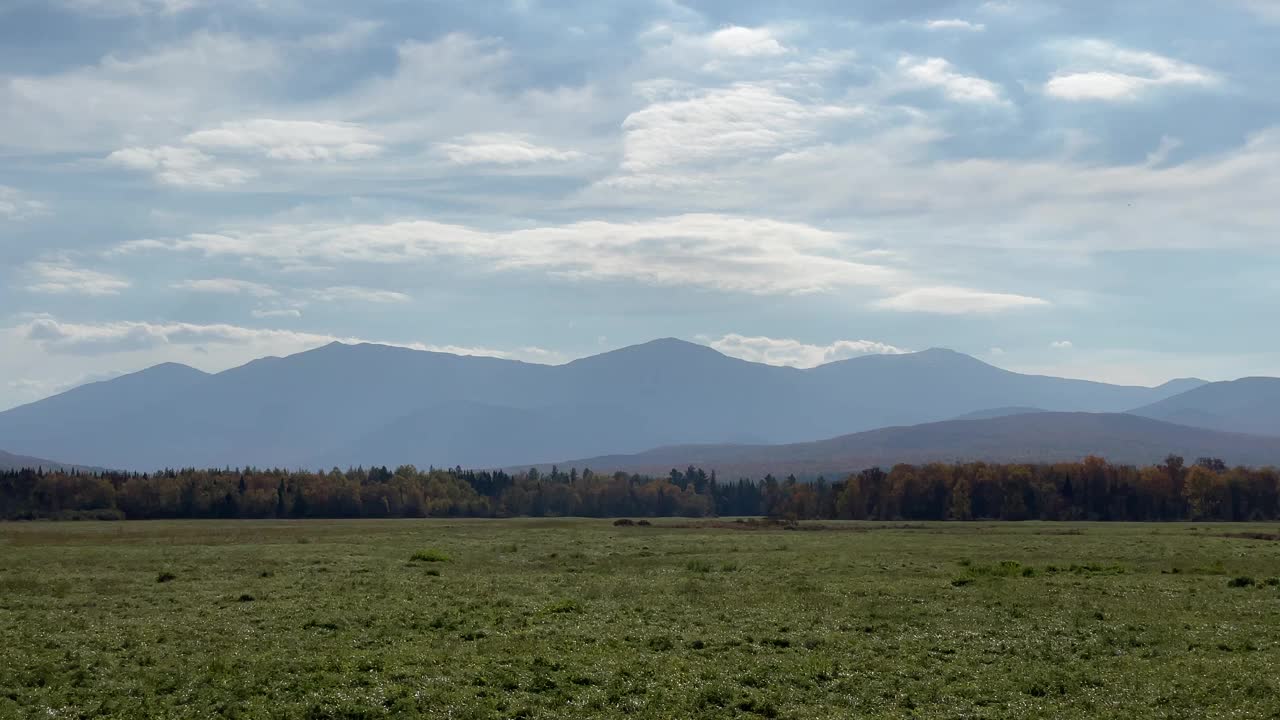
(1083, 188)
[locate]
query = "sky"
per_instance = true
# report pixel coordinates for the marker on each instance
(1085, 188)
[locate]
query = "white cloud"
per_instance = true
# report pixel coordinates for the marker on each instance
(276, 313)
(56, 337)
(31, 389)
(352, 34)
(183, 167)
(357, 294)
(299, 140)
(892, 185)
(957, 301)
(996, 351)
(786, 351)
(1268, 10)
(226, 286)
(135, 98)
(130, 7)
(741, 122)
(939, 73)
(15, 205)
(740, 254)
(501, 149)
(344, 293)
(954, 24)
(65, 279)
(1103, 71)
(998, 7)
(1061, 345)
(745, 42)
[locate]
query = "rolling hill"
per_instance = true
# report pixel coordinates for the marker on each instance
(1247, 405)
(374, 404)
(1034, 437)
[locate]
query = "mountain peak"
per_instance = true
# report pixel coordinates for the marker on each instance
(671, 343)
(668, 347)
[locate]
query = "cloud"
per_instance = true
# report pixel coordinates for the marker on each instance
(357, 294)
(785, 351)
(130, 7)
(1060, 345)
(998, 7)
(501, 149)
(731, 253)
(894, 186)
(1107, 72)
(297, 140)
(276, 313)
(226, 286)
(136, 97)
(741, 122)
(346, 293)
(957, 301)
(745, 42)
(351, 34)
(183, 167)
(65, 279)
(939, 73)
(954, 25)
(57, 337)
(33, 389)
(14, 205)
(1267, 10)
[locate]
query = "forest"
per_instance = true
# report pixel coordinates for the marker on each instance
(1092, 489)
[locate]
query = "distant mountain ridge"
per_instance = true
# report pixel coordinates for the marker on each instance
(1247, 405)
(9, 461)
(375, 404)
(1019, 438)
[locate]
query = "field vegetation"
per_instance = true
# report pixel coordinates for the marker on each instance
(525, 618)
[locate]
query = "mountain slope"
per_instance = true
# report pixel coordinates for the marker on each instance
(1248, 405)
(998, 412)
(9, 461)
(1037, 437)
(374, 404)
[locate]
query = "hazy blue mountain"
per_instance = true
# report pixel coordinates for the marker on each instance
(998, 412)
(9, 461)
(1036, 437)
(1247, 405)
(374, 404)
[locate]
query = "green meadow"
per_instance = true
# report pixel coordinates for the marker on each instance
(582, 618)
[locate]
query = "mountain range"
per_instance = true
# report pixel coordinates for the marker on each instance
(375, 404)
(1012, 438)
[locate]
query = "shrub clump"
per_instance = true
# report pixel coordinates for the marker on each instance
(1240, 582)
(698, 566)
(661, 643)
(429, 556)
(165, 577)
(623, 522)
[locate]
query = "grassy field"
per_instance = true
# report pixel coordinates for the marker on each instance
(578, 618)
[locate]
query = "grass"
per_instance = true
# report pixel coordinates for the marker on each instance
(680, 620)
(429, 556)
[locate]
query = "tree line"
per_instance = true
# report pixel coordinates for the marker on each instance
(1092, 489)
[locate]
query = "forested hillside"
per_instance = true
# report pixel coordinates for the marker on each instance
(1092, 489)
